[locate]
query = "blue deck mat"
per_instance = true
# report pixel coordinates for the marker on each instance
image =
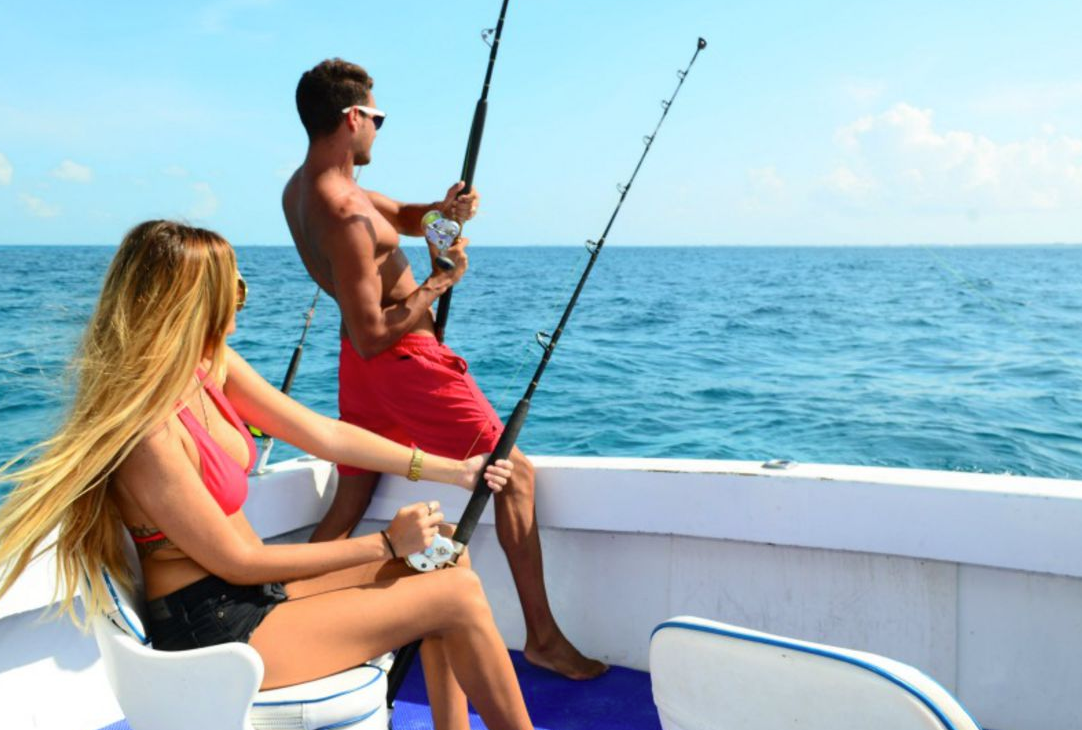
(619, 699)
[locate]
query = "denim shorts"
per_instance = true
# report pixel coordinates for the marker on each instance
(208, 612)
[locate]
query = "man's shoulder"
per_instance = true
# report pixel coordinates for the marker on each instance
(333, 193)
(344, 199)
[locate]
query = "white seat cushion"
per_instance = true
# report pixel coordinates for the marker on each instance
(340, 701)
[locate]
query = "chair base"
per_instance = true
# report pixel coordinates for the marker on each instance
(356, 698)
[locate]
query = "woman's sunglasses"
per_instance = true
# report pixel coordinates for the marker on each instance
(242, 292)
(376, 115)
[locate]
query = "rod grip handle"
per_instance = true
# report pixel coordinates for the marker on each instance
(481, 493)
(291, 371)
(403, 658)
(473, 147)
(443, 311)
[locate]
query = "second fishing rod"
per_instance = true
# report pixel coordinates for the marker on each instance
(445, 551)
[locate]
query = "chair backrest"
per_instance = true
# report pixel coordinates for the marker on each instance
(128, 609)
(707, 675)
(212, 687)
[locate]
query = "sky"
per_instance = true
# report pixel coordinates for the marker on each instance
(822, 122)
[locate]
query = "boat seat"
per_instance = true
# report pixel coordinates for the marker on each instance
(217, 687)
(710, 675)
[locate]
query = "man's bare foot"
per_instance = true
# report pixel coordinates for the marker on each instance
(563, 658)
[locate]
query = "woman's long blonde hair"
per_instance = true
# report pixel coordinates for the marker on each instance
(167, 302)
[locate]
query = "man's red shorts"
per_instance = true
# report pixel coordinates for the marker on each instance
(417, 393)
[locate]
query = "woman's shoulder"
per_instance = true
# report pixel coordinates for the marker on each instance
(158, 450)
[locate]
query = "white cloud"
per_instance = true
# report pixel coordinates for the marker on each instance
(845, 181)
(1031, 100)
(206, 203)
(38, 207)
(174, 171)
(73, 172)
(904, 158)
(864, 91)
(765, 189)
(766, 179)
(6, 170)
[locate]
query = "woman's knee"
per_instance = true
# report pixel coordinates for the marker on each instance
(466, 594)
(466, 581)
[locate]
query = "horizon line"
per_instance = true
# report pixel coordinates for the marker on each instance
(410, 243)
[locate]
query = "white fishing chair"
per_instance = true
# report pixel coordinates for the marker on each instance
(217, 688)
(708, 675)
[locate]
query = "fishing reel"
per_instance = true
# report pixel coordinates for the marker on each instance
(441, 232)
(442, 552)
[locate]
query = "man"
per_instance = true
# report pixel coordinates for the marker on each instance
(394, 377)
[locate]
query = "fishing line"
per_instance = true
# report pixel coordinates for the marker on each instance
(975, 290)
(444, 551)
(501, 400)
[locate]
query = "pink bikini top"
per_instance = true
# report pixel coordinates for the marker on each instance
(224, 478)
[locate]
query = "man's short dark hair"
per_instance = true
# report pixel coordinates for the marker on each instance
(326, 90)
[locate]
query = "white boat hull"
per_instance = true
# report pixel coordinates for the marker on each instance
(974, 579)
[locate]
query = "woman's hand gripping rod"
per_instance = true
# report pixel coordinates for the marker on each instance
(444, 551)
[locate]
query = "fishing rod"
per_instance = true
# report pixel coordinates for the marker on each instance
(447, 235)
(445, 551)
(266, 441)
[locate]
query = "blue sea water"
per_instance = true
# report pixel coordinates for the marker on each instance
(930, 357)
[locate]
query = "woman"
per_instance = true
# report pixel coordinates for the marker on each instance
(155, 444)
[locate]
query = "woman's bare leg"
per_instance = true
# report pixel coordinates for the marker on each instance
(338, 627)
(445, 695)
(450, 710)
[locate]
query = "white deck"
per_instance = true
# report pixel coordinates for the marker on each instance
(974, 579)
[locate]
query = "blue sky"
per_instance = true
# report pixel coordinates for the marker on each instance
(803, 123)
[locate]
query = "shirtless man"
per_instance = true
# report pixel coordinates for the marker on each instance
(394, 377)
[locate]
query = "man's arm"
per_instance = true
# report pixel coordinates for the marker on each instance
(406, 217)
(351, 248)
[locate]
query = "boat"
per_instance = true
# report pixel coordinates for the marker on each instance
(973, 579)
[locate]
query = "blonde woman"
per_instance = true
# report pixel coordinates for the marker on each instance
(155, 446)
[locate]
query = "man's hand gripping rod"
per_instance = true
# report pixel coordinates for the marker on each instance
(445, 552)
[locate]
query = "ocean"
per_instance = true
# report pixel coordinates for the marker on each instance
(959, 358)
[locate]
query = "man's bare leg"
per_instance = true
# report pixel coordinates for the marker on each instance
(351, 500)
(516, 527)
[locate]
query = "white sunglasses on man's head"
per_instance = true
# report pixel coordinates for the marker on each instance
(377, 115)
